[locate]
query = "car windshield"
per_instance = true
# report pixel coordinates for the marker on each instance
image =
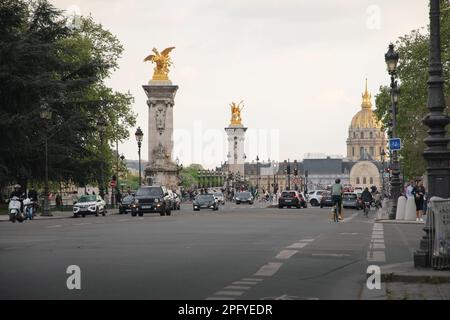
(87, 199)
(128, 199)
(205, 197)
(150, 192)
(244, 194)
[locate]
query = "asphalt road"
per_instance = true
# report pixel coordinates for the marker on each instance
(239, 252)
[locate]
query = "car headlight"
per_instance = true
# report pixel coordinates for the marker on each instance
(238, 199)
(156, 200)
(92, 208)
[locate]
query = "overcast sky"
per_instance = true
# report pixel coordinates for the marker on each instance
(298, 65)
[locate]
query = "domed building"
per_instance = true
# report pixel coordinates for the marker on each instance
(365, 136)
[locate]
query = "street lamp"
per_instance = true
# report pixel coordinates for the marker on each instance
(101, 125)
(46, 115)
(139, 136)
(288, 173)
(436, 154)
(257, 173)
(383, 155)
(391, 58)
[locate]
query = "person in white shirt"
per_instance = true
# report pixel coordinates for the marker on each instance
(410, 190)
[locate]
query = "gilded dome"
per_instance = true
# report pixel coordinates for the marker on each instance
(365, 118)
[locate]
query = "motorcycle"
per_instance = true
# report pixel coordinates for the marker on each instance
(14, 209)
(29, 208)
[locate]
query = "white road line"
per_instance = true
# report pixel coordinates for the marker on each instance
(349, 233)
(123, 220)
(306, 240)
(378, 246)
(331, 254)
(378, 240)
(350, 218)
(55, 226)
(248, 283)
(378, 232)
(236, 288)
(220, 298)
(269, 269)
(378, 256)
(81, 224)
(377, 236)
(230, 293)
(297, 245)
(252, 279)
(285, 254)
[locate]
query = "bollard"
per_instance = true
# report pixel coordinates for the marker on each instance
(410, 210)
(401, 206)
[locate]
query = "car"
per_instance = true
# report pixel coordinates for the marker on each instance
(125, 205)
(89, 204)
(219, 197)
(244, 197)
(291, 199)
(177, 205)
(205, 201)
(152, 199)
(326, 200)
(314, 197)
(173, 199)
(350, 200)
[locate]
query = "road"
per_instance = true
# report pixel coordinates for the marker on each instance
(239, 252)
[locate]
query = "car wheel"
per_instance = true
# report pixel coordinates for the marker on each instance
(104, 212)
(120, 212)
(238, 203)
(133, 214)
(162, 213)
(141, 214)
(314, 202)
(299, 207)
(280, 207)
(96, 212)
(83, 215)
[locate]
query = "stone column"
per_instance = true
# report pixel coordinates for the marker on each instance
(236, 161)
(161, 169)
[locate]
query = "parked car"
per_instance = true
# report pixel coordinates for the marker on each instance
(89, 204)
(244, 197)
(314, 197)
(125, 205)
(291, 199)
(219, 197)
(326, 200)
(350, 200)
(151, 199)
(205, 201)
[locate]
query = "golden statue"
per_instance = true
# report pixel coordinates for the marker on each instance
(162, 61)
(236, 113)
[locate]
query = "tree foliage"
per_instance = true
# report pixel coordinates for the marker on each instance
(44, 61)
(413, 50)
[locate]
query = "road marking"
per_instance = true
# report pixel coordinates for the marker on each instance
(252, 279)
(269, 269)
(237, 288)
(81, 224)
(378, 240)
(331, 254)
(350, 218)
(123, 220)
(378, 232)
(349, 233)
(286, 254)
(55, 226)
(220, 298)
(378, 246)
(297, 245)
(377, 236)
(244, 283)
(376, 256)
(230, 293)
(306, 240)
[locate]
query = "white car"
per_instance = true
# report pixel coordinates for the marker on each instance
(314, 197)
(89, 204)
(219, 197)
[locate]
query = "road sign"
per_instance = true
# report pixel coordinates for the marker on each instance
(113, 183)
(395, 144)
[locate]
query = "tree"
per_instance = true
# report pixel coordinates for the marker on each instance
(413, 50)
(43, 61)
(189, 176)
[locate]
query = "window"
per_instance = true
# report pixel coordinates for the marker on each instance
(357, 180)
(371, 151)
(364, 180)
(353, 151)
(371, 180)
(361, 151)
(362, 135)
(371, 135)
(354, 135)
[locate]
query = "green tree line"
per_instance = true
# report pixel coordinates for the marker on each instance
(46, 60)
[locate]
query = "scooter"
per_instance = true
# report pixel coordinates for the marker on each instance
(29, 208)
(14, 210)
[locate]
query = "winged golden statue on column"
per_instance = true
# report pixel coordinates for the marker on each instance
(236, 109)
(162, 61)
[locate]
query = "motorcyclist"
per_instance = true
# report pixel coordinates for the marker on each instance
(366, 196)
(17, 193)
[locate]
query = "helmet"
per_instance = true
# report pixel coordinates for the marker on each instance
(337, 180)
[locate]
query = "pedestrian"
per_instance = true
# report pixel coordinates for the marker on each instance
(410, 190)
(419, 194)
(336, 195)
(118, 196)
(58, 201)
(32, 194)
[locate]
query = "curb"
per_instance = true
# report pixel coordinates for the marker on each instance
(399, 221)
(406, 272)
(38, 218)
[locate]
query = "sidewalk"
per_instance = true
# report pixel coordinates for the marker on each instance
(56, 215)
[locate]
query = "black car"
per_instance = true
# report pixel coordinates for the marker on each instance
(327, 200)
(244, 197)
(291, 199)
(205, 201)
(125, 205)
(151, 199)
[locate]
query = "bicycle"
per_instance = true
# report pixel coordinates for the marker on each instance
(335, 213)
(366, 208)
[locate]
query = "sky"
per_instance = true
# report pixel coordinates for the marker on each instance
(299, 66)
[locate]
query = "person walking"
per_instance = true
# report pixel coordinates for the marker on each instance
(336, 195)
(419, 194)
(410, 190)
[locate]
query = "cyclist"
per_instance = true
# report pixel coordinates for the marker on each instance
(367, 200)
(337, 191)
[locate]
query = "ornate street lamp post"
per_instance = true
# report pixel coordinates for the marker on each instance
(391, 58)
(436, 153)
(46, 115)
(383, 155)
(139, 137)
(101, 125)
